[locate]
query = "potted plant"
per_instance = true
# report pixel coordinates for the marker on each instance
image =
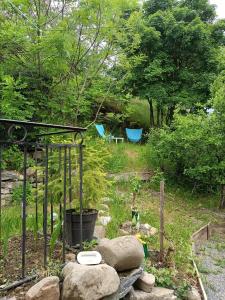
(95, 187)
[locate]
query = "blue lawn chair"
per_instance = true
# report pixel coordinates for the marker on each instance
(101, 131)
(134, 135)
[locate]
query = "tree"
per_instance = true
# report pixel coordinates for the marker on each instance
(60, 50)
(193, 149)
(180, 64)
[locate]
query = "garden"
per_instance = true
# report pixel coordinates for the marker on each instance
(112, 148)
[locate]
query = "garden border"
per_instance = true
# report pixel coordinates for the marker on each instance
(203, 234)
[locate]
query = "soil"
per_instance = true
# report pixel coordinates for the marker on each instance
(10, 266)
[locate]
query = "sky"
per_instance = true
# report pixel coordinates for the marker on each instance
(220, 7)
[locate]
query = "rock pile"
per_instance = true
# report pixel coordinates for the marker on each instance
(10, 180)
(120, 276)
(144, 229)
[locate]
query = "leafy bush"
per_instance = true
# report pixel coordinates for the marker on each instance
(13, 158)
(192, 150)
(17, 194)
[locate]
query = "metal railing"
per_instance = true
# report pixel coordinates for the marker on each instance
(57, 162)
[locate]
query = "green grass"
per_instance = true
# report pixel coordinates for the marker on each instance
(183, 216)
(126, 157)
(11, 223)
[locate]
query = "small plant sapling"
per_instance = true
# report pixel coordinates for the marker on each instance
(135, 183)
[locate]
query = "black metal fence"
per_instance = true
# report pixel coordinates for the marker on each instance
(55, 181)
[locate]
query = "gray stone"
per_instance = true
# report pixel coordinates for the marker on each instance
(89, 282)
(70, 257)
(127, 280)
(146, 282)
(122, 253)
(193, 294)
(144, 229)
(114, 296)
(5, 191)
(157, 293)
(47, 288)
(31, 172)
(99, 232)
(11, 176)
(123, 232)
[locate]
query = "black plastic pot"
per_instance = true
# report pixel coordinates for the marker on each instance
(73, 229)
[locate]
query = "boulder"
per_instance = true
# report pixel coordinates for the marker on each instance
(193, 294)
(146, 282)
(82, 282)
(157, 293)
(47, 288)
(122, 253)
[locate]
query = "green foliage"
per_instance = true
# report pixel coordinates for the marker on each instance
(88, 246)
(17, 194)
(13, 104)
(55, 61)
(179, 45)
(164, 277)
(193, 149)
(135, 183)
(12, 158)
(54, 237)
(95, 182)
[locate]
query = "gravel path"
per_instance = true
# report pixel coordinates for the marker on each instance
(211, 265)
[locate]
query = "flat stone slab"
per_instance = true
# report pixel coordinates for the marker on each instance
(144, 176)
(157, 293)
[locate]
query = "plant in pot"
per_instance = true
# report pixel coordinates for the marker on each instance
(95, 187)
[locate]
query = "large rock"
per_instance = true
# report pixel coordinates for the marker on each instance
(83, 282)
(157, 293)
(47, 288)
(146, 282)
(193, 294)
(122, 253)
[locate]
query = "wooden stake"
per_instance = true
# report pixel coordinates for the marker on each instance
(162, 201)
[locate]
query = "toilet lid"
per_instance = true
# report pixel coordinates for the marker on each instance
(89, 258)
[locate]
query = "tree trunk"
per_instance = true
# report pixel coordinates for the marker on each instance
(222, 196)
(151, 112)
(170, 113)
(162, 116)
(158, 115)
